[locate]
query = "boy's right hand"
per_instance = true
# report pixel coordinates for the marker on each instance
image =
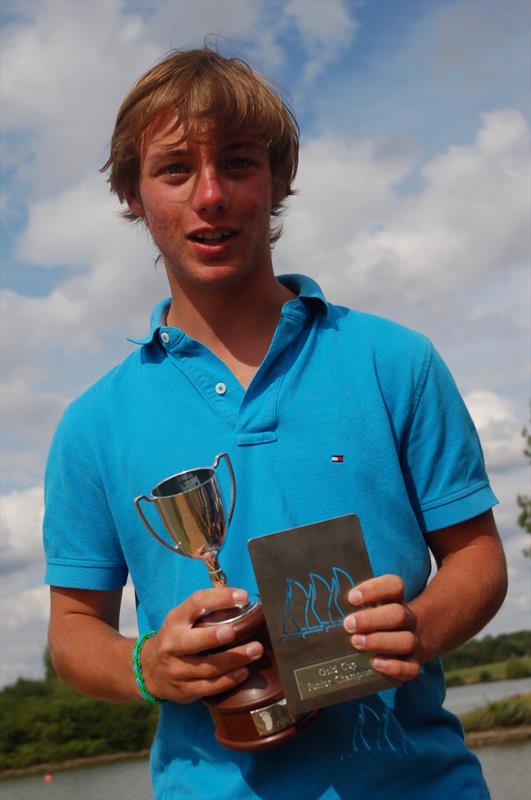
(173, 661)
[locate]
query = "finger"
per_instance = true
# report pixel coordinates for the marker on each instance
(403, 669)
(383, 589)
(400, 643)
(218, 664)
(192, 641)
(205, 600)
(388, 617)
(206, 688)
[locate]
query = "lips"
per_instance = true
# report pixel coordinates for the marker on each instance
(212, 237)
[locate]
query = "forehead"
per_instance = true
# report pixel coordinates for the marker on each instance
(166, 133)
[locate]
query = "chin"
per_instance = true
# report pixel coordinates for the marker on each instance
(216, 277)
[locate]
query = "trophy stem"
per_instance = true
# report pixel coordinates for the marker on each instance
(216, 574)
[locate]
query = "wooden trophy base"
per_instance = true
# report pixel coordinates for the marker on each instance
(254, 715)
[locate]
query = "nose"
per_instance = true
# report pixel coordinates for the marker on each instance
(210, 194)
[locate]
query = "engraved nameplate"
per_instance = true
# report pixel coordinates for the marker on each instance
(328, 677)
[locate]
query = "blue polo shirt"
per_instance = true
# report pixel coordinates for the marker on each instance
(333, 382)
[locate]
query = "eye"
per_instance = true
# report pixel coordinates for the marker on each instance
(175, 169)
(238, 162)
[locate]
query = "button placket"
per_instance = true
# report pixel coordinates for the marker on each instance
(257, 419)
(204, 370)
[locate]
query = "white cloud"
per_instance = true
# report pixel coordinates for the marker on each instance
(515, 611)
(23, 463)
(499, 428)
(128, 623)
(347, 190)
(326, 28)
(488, 408)
(24, 608)
(65, 69)
(24, 617)
(69, 228)
(29, 413)
(30, 605)
(81, 226)
(370, 243)
(50, 345)
(24, 614)
(21, 523)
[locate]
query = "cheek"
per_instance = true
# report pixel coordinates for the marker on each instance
(253, 210)
(164, 224)
(257, 211)
(162, 213)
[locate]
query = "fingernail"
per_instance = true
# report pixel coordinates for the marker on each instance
(254, 650)
(359, 640)
(379, 663)
(355, 597)
(349, 623)
(239, 597)
(241, 674)
(224, 634)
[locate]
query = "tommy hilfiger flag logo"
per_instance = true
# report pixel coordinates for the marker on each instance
(338, 457)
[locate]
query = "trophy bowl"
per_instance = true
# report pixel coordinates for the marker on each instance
(254, 715)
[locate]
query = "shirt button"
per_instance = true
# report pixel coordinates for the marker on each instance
(165, 337)
(221, 388)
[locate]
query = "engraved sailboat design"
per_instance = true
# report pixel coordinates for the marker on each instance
(316, 607)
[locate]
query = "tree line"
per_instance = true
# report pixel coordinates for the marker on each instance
(489, 650)
(47, 721)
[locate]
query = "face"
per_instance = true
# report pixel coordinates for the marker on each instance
(208, 207)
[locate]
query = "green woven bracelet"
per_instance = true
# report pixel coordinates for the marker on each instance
(137, 669)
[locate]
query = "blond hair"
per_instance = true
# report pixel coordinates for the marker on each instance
(202, 86)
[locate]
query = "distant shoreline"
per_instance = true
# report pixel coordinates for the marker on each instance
(518, 733)
(73, 763)
(473, 739)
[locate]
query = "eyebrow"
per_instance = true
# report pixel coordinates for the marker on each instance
(242, 144)
(177, 152)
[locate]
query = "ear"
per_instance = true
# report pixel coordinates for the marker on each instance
(135, 205)
(278, 195)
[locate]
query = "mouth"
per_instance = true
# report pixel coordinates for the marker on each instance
(212, 238)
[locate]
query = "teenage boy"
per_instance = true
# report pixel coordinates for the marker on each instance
(204, 153)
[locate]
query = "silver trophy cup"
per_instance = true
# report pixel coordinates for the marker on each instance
(191, 509)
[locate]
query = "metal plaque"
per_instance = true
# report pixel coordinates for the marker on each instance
(304, 575)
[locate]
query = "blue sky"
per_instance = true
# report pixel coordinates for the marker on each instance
(413, 203)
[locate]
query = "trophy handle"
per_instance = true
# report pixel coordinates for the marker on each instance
(215, 465)
(153, 532)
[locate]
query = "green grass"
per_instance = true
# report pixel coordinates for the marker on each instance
(509, 712)
(496, 670)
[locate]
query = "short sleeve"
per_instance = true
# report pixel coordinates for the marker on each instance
(81, 544)
(441, 453)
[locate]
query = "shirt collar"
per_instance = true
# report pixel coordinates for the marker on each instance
(305, 288)
(158, 317)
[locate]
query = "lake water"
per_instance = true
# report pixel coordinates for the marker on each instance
(464, 698)
(507, 768)
(126, 780)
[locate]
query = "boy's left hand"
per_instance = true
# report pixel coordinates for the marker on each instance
(385, 626)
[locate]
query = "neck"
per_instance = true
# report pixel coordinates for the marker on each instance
(236, 322)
